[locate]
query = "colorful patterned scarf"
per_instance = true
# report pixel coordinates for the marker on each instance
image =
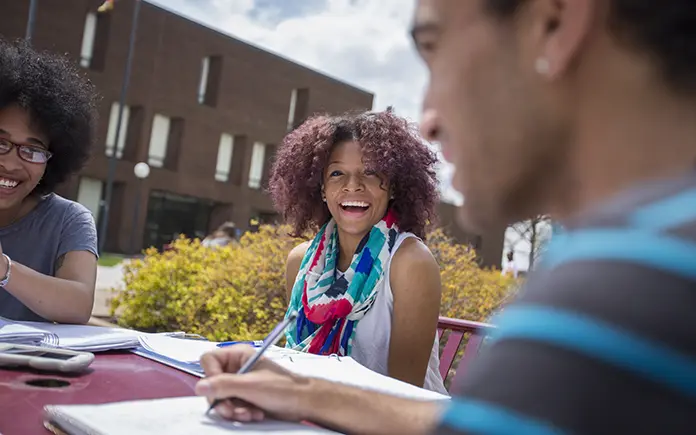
(329, 308)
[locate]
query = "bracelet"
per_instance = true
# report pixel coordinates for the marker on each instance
(6, 278)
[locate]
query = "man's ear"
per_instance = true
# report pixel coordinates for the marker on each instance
(561, 27)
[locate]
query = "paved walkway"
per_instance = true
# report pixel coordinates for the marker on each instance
(107, 279)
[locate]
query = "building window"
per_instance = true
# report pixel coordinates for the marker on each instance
(239, 160)
(211, 69)
(299, 103)
(89, 194)
(258, 153)
(88, 37)
(291, 112)
(95, 40)
(202, 86)
(170, 215)
(175, 139)
(111, 132)
(269, 155)
(224, 157)
(159, 139)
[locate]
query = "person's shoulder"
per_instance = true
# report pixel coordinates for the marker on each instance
(413, 252)
(298, 252)
(631, 270)
(296, 255)
(413, 257)
(55, 203)
(646, 204)
(613, 294)
(653, 226)
(294, 262)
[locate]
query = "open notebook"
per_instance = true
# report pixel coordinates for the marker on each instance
(76, 337)
(180, 354)
(346, 370)
(173, 416)
(17, 333)
(185, 355)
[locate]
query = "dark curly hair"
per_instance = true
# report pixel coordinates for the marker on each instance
(390, 146)
(58, 98)
(665, 30)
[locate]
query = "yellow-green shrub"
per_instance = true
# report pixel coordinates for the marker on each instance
(468, 291)
(238, 291)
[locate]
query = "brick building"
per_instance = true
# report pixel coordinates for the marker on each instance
(204, 110)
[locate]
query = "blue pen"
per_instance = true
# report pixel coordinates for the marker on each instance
(257, 343)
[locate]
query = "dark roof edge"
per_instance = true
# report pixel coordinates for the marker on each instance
(259, 48)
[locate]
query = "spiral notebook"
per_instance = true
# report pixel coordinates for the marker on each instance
(172, 416)
(85, 338)
(15, 333)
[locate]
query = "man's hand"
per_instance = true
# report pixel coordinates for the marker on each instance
(271, 390)
(268, 388)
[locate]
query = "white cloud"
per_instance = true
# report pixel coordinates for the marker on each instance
(362, 42)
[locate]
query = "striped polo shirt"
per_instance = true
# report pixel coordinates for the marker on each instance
(602, 338)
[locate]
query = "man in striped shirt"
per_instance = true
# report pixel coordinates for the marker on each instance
(584, 109)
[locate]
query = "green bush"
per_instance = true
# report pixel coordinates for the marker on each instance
(468, 291)
(231, 292)
(238, 291)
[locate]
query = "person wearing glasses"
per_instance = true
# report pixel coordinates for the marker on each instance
(48, 244)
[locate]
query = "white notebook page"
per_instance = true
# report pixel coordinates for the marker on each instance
(173, 416)
(346, 370)
(343, 370)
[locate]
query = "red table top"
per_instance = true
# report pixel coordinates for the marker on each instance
(113, 376)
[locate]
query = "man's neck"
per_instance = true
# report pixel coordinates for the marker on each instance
(625, 141)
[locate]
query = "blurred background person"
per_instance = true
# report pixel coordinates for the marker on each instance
(510, 267)
(222, 236)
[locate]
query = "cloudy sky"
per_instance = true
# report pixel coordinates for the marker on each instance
(362, 42)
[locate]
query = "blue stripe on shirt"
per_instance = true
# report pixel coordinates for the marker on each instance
(487, 419)
(633, 245)
(600, 341)
(669, 212)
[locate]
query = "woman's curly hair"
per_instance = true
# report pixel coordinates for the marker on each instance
(390, 146)
(58, 98)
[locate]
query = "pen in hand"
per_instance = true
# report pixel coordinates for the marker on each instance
(272, 339)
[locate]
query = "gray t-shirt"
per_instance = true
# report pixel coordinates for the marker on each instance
(53, 228)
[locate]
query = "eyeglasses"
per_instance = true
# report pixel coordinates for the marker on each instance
(28, 153)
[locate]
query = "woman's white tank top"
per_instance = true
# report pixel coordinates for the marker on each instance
(371, 341)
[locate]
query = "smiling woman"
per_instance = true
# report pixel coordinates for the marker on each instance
(48, 256)
(366, 286)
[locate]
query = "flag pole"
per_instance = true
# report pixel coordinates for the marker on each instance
(31, 20)
(106, 204)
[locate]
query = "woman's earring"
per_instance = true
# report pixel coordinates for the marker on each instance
(542, 66)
